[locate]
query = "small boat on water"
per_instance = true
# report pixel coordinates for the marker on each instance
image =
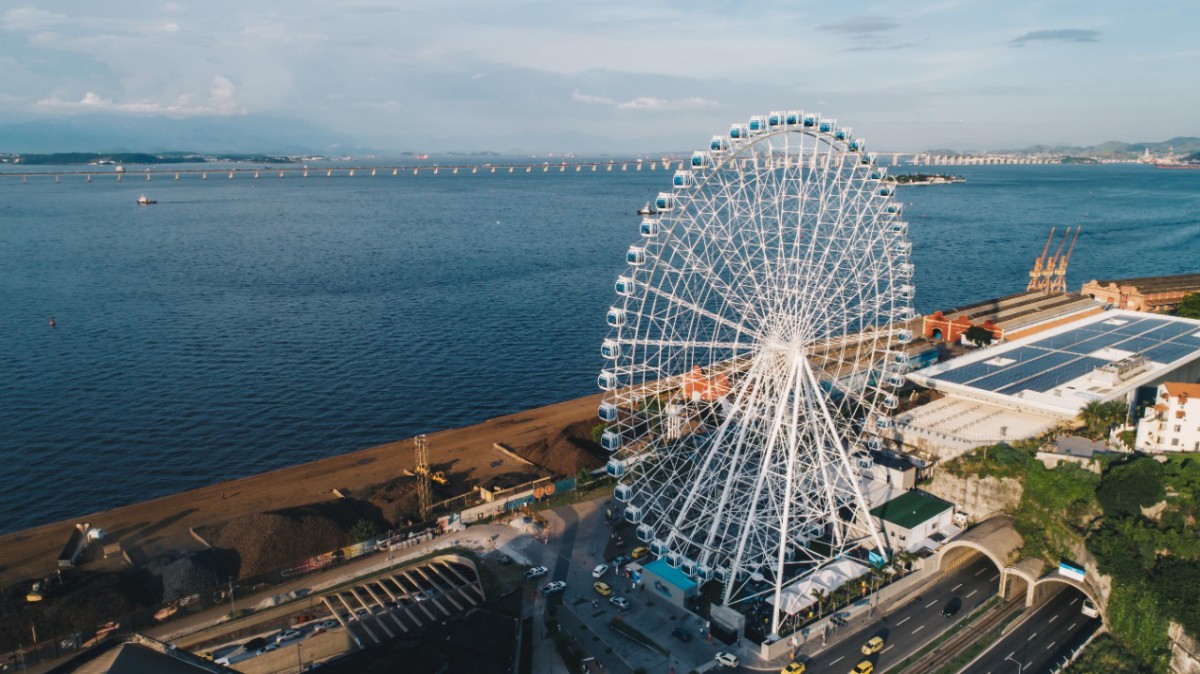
(145, 201)
(647, 210)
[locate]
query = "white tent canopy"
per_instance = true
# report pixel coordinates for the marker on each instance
(796, 598)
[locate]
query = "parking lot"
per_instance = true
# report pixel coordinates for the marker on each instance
(402, 602)
(364, 614)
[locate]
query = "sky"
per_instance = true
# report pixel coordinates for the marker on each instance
(616, 76)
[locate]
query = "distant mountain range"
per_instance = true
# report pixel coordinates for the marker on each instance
(122, 133)
(1181, 146)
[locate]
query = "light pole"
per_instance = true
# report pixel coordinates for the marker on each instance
(1019, 667)
(299, 660)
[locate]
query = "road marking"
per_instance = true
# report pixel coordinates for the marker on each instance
(1054, 618)
(1072, 626)
(996, 577)
(918, 629)
(931, 603)
(838, 660)
(972, 592)
(1010, 655)
(1074, 601)
(888, 648)
(981, 571)
(903, 621)
(955, 588)
(1051, 645)
(1031, 636)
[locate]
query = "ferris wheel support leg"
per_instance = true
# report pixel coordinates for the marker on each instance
(797, 387)
(755, 494)
(863, 506)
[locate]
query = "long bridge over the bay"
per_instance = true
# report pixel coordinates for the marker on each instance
(252, 170)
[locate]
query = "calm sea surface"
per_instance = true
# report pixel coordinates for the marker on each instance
(240, 326)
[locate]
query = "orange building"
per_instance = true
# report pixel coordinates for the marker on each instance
(1155, 294)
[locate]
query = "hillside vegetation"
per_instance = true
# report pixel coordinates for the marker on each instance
(1138, 519)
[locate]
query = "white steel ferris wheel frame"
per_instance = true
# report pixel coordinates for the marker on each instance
(757, 331)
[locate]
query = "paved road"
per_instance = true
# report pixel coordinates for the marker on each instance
(908, 627)
(1046, 637)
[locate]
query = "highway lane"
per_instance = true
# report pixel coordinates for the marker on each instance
(910, 626)
(1047, 636)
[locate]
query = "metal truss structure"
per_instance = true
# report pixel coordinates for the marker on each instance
(757, 329)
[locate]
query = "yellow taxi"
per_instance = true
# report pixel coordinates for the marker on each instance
(603, 589)
(873, 646)
(793, 667)
(638, 553)
(864, 667)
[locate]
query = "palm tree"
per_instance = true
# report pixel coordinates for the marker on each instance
(1093, 416)
(820, 596)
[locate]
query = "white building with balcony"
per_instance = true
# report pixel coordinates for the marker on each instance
(1172, 424)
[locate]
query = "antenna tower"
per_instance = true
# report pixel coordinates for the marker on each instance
(424, 489)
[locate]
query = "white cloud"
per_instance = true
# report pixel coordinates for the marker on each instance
(580, 97)
(30, 18)
(221, 100)
(651, 103)
(646, 102)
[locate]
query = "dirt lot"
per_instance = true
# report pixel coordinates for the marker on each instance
(553, 440)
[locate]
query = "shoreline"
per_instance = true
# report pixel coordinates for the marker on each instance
(148, 529)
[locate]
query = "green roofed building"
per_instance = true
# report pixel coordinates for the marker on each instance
(911, 519)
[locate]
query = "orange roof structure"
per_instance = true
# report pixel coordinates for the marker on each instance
(698, 387)
(1175, 389)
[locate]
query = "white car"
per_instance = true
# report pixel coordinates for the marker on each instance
(620, 602)
(726, 659)
(536, 572)
(1089, 609)
(267, 649)
(286, 634)
(599, 571)
(553, 587)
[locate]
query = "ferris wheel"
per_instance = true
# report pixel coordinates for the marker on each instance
(755, 346)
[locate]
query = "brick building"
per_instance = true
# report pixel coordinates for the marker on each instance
(1155, 294)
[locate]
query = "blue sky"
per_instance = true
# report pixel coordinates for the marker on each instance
(620, 75)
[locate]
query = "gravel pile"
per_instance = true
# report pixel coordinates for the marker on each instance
(268, 541)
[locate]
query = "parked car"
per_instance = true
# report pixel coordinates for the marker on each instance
(620, 602)
(639, 552)
(873, 646)
(726, 659)
(619, 561)
(952, 607)
(330, 624)
(603, 589)
(599, 571)
(267, 649)
(794, 667)
(681, 634)
(535, 572)
(553, 587)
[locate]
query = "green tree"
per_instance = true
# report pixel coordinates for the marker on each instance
(1190, 306)
(362, 530)
(597, 431)
(1127, 488)
(1094, 416)
(979, 336)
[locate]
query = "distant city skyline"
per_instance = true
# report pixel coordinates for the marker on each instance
(623, 77)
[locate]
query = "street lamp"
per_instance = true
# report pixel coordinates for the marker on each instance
(1019, 667)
